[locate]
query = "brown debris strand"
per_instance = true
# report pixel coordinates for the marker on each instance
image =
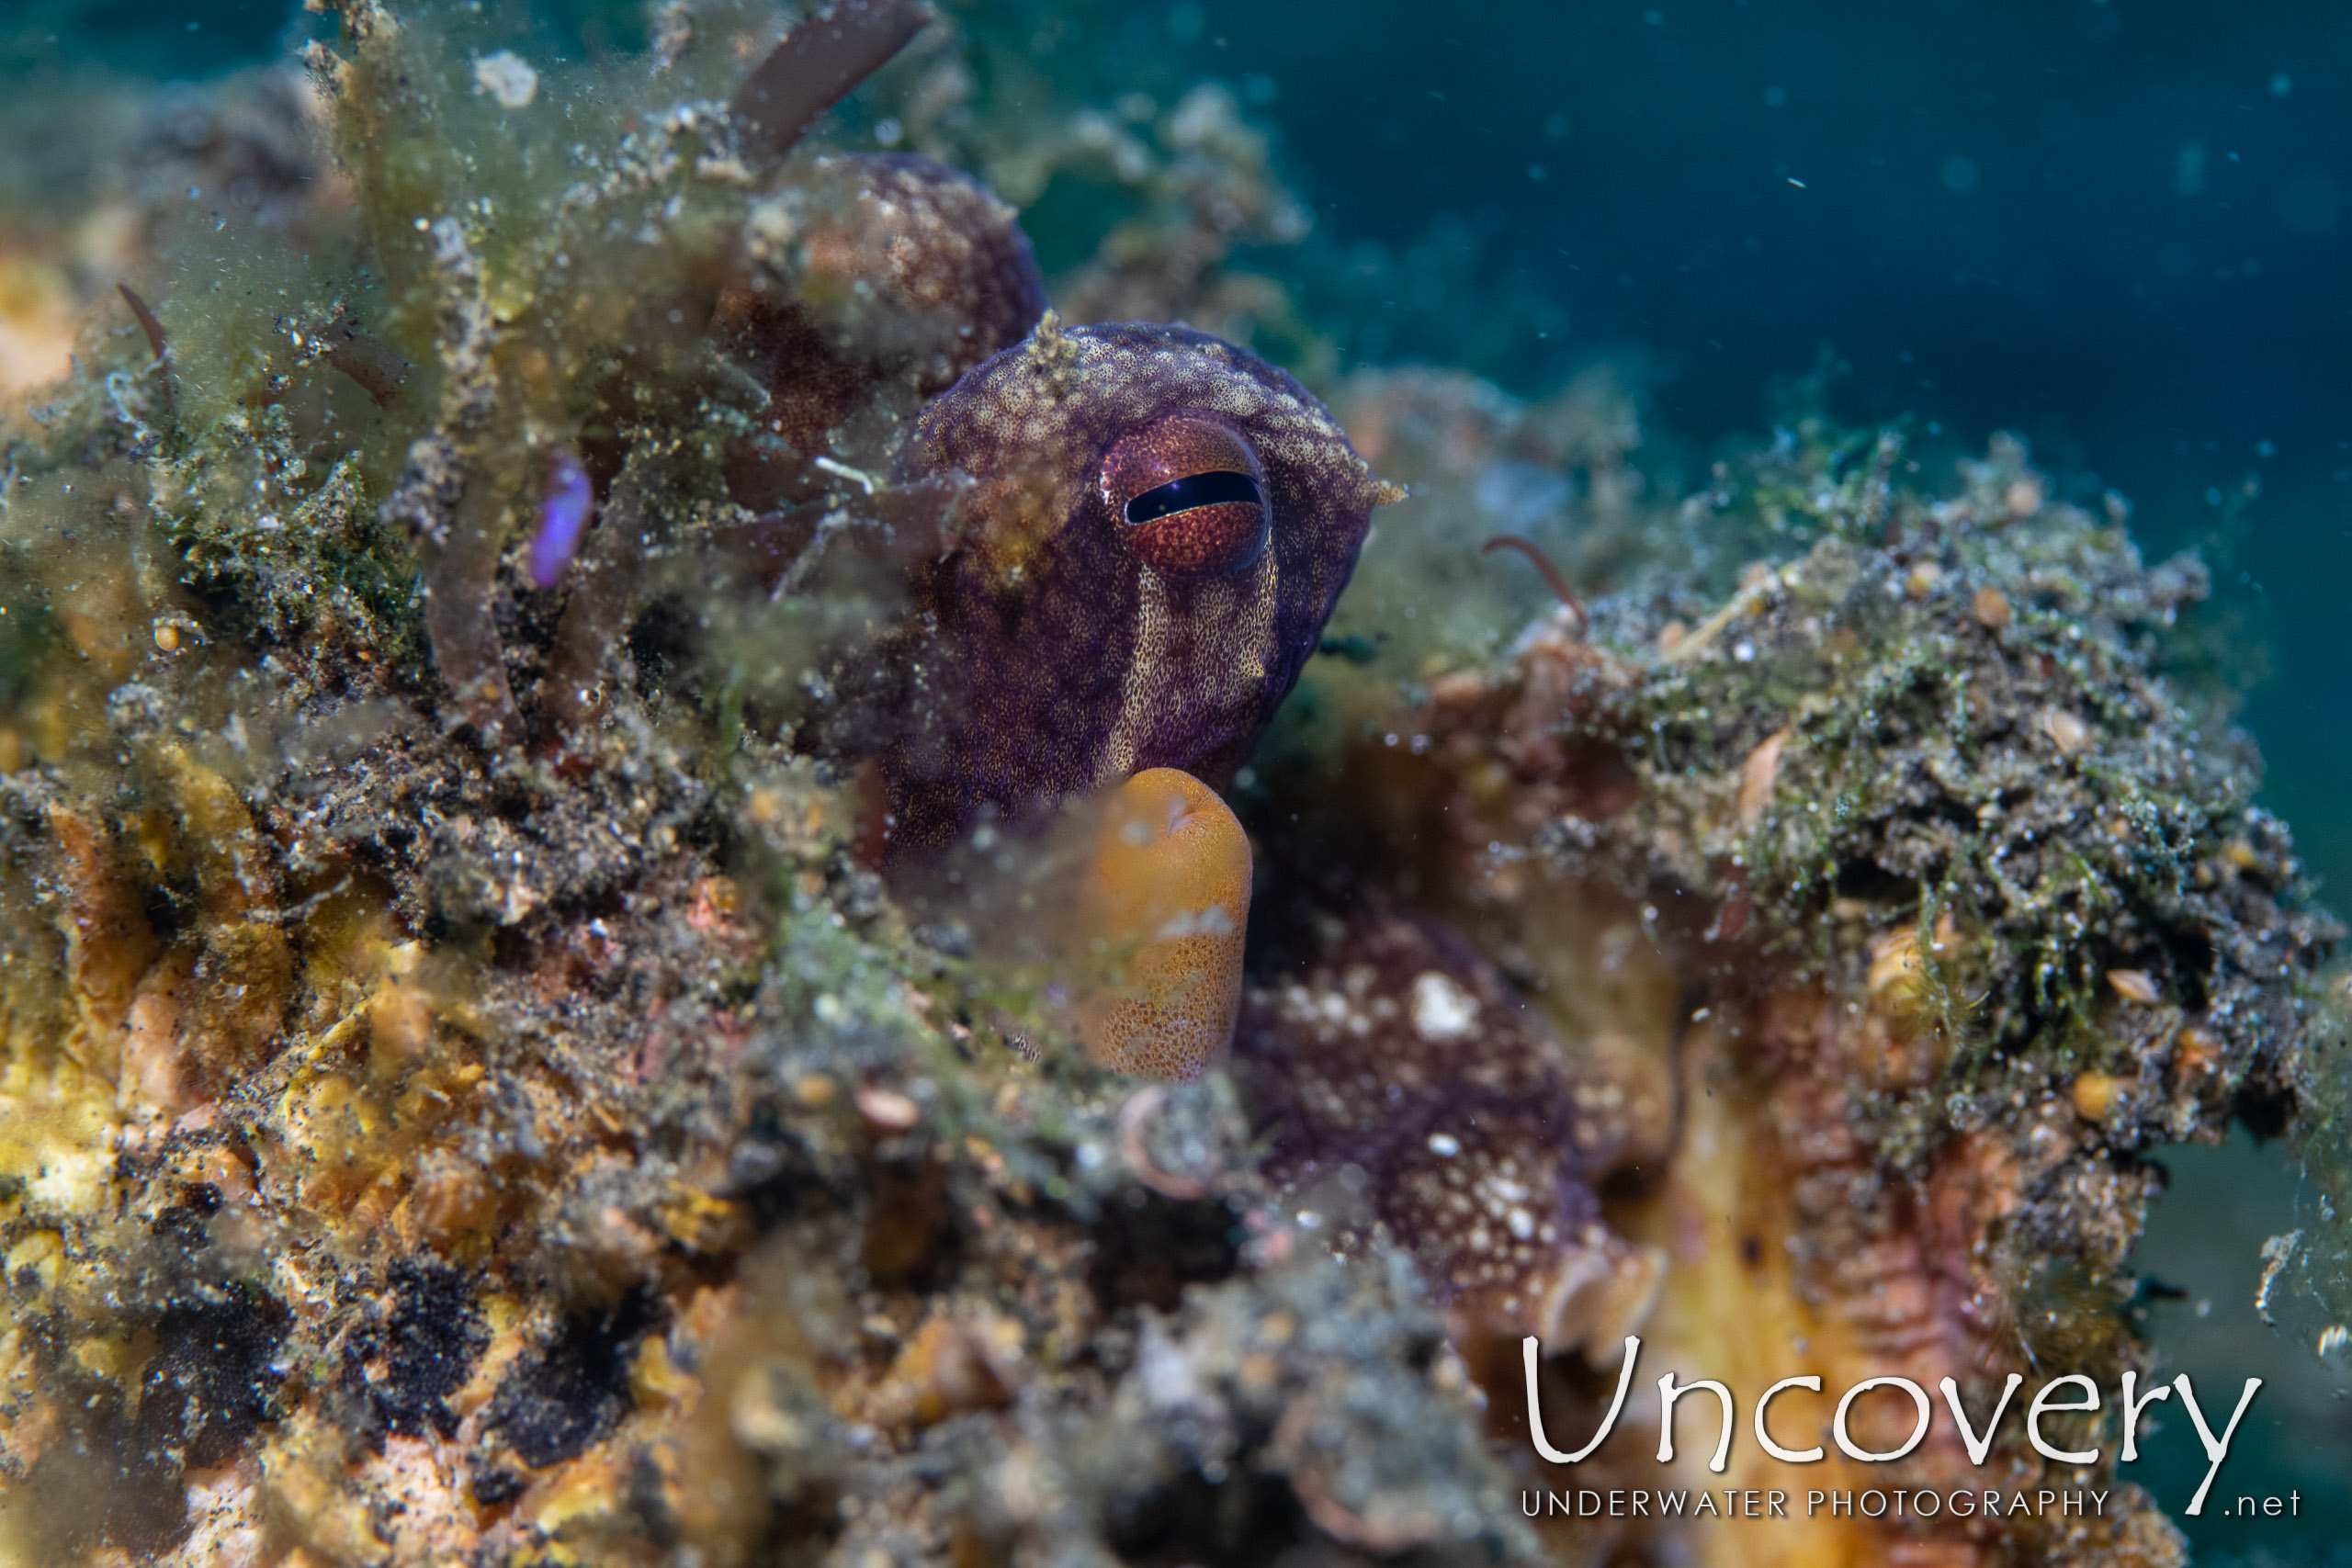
(372, 364)
(458, 584)
(147, 321)
(1552, 577)
(817, 65)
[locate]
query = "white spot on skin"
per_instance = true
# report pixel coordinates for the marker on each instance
(1445, 1144)
(507, 77)
(1170, 1377)
(1211, 921)
(1510, 1191)
(1441, 1008)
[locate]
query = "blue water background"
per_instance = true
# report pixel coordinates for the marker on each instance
(2123, 230)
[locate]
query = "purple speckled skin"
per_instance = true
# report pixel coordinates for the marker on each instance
(1058, 663)
(1397, 1051)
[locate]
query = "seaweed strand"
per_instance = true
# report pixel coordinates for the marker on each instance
(817, 65)
(1551, 574)
(147, 321)
(371, 364)
(457, 615)
(461, 575)
(167, 393)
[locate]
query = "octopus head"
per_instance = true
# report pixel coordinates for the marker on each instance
(1157, 527)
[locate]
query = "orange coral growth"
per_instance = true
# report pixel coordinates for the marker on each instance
(1164, 904)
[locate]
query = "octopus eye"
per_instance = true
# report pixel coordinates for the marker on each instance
(1189, 496)
(1191, 492)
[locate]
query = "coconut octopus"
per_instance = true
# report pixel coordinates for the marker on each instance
(1140, 532)
(1117, 546)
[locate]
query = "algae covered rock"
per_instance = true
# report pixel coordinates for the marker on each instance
(1934, 891)
(469, 1095)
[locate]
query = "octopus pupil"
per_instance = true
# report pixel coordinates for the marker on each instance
(1192, 490)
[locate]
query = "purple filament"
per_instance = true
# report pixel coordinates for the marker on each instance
(563, 518)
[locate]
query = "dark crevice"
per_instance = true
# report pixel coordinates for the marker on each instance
(1149, 1247)
(553, 1409)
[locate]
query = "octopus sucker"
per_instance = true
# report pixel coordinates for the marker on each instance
(1161, 920)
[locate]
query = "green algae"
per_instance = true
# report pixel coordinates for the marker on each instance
(1977, 711)
(562, 1025)
(2307, 1281)
(1936, 753)
(1974, 727)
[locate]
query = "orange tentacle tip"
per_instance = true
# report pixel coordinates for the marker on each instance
(1161, 914)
